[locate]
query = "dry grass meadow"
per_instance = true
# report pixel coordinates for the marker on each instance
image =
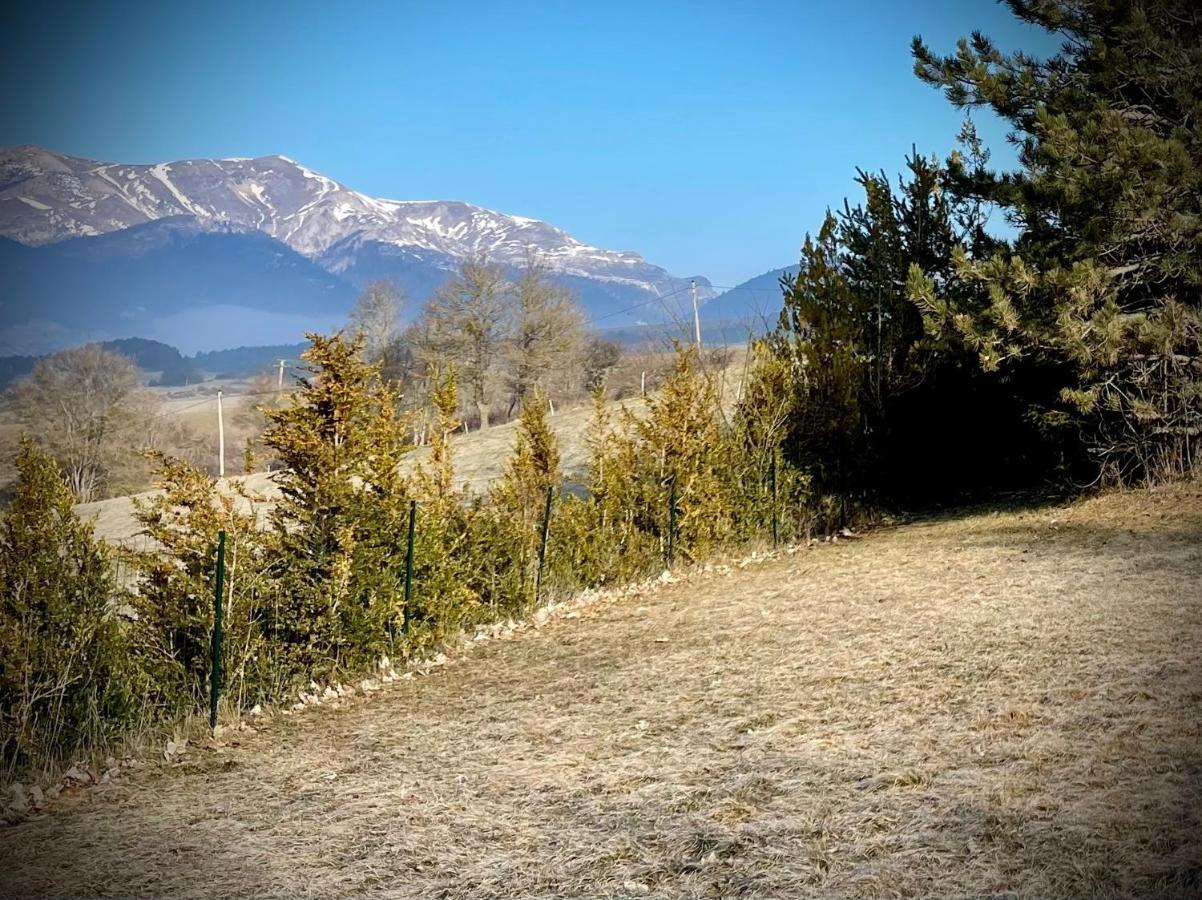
(480, 457)
(1004, 703)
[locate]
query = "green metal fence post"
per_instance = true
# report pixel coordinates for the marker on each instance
(215, 663)
(672, 523)
(409, 565)
(775, 533)
(542, 547)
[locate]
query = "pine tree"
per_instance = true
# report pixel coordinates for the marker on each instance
(532, 470)
(452, 559)
(65, 676)
(176, 574)
(1103, 287)
(761, 424)
(438, 478)
(821, 334)
(339, 522)
(881, 408)
(518, 501)
(594, 540)
(680, 449)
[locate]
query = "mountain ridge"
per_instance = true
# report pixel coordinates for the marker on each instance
(46, 197)
(757, 300)
(160, 248)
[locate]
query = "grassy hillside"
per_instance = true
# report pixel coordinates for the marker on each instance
(479, 455)
(479, 458)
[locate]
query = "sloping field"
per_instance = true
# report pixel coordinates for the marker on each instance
(480, 457)
(1003, 704)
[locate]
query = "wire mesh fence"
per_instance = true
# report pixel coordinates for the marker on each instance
(410, 584)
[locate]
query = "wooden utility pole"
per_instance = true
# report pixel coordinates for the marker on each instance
(696, 315)
(220, 439)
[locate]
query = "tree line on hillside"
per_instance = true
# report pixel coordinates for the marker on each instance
(507, 338)
(917, 358)
(170, 367)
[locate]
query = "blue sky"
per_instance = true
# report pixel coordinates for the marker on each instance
(708, 136)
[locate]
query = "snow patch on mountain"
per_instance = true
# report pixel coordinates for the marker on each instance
(47, 197)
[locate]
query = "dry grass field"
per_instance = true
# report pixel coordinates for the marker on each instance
(1004, 703)
(480, 457)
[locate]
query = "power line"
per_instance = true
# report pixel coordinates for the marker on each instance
(213, 399)
(657, 299)
(173, 412)
(739, 287)
(661, 297)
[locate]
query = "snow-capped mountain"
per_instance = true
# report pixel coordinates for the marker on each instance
(47, 197)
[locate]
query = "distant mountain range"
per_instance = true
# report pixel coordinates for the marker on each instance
(757, 301)
(210, 253)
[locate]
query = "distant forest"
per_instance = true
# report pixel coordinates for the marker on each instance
(171, 368)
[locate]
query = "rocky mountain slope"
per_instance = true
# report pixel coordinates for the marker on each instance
(48, 198)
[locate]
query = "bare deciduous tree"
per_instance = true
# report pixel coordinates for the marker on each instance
(601, 356)
(547, 338)
(466, 323)
(377, 315)
(85, 406)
